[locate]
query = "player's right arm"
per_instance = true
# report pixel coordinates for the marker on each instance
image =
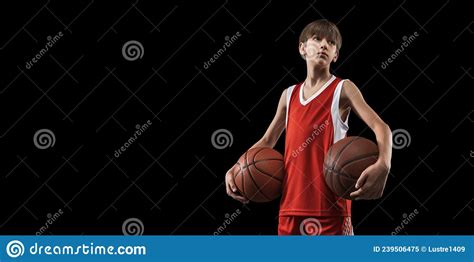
(269, 139)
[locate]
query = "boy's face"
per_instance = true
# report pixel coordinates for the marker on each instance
(319, 51)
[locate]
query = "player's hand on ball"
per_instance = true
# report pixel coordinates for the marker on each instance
(371, 182)
(232, 189)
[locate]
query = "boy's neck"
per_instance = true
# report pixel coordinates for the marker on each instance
(317, 76)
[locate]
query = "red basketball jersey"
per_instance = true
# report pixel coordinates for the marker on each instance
(312, 126)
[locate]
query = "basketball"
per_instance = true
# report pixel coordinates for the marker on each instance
(259, 173)
(345, 161)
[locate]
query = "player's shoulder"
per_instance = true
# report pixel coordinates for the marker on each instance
(347, 83)
(289, 89)
(348, 87)
(292, 87)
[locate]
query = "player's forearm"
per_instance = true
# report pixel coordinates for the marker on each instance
(384, 140)
(263, 143)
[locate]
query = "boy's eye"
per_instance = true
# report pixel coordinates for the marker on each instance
(332, 42)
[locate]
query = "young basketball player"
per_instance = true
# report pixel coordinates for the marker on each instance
(315, 115)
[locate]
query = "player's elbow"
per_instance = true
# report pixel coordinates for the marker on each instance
(380, 127)
(387, 129)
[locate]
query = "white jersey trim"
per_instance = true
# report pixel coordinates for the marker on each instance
(289, 91)
(305, 102)
(340, 127)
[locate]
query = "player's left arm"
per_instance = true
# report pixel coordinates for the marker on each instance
(372, 181)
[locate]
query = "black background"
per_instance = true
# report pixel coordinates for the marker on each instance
(171, 178)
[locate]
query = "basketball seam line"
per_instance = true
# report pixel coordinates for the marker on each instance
(346, 191)
(251, 177)
(340, 173)
(262, 160)
(265, 173)
(258, 188)
(235, 176)
(357, 159)
(261, 149)
(243, 175)
(276, 159)
(329, 153)
(268, 175)
(338, 156)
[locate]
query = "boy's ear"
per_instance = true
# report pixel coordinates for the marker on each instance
(336, 56)
(302, 49)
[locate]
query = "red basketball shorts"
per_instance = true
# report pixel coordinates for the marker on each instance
(300, 225)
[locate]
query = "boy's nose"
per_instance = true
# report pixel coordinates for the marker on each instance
(324, 44)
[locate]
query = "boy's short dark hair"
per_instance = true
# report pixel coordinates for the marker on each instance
(322, 28)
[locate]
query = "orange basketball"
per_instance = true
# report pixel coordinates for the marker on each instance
(345, 161)
(259, 173)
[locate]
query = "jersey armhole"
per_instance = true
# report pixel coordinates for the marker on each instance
(340, 126)
(289, 91)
